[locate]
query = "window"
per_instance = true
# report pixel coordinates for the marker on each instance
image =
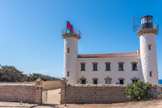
(83, 81)
(149, 47)
(144, 20)
(134, 80)
(107, 66)
(68, 73)
(149, 19)
(134, 66)
(107, 81)
(68, 50)
(121, 81)
(150, 73)
(121, 66)
(95, 81)
(82, 66)
(94, 66)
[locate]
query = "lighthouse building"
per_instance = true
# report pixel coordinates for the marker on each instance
(117, 68)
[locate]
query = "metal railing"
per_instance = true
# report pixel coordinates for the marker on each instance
(137, 28)
(76, 31)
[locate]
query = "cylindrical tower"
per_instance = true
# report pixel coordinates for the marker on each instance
(148, 53)
(70, 55)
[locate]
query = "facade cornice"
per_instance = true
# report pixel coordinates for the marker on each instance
(110, 59)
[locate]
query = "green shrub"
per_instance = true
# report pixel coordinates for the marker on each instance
(137, 90)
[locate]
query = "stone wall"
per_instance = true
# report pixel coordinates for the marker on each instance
(93, 94)
(156, 91)
(46, 85)
(20, 92)
(100, 93)
(49, 85)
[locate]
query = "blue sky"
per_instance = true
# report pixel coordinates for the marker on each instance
(30, 30)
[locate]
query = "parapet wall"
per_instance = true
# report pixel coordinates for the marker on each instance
(93, 94)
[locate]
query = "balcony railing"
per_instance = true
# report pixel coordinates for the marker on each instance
(139, 27)
(76, 31)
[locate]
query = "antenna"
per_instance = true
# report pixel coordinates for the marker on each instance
(136, 23)
(156, 20)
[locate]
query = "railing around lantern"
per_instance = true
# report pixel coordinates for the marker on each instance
(76, 31)
(139, 27)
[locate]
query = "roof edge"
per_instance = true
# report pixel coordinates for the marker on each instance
(108, 55)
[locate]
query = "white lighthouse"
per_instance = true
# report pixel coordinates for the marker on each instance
(71, 54)
(148, 54)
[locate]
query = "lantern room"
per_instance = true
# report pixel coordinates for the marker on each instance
(147, 22)
(145, 25)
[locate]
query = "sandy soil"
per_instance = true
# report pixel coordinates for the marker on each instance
(140, 104)
(53, 97)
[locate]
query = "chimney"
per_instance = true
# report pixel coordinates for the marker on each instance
(138, 51)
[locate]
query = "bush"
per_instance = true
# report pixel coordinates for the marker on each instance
(138, 90)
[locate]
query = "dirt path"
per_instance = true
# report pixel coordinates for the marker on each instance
(141, 104)
(53, 97)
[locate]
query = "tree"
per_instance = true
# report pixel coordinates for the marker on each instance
(35, 76)
(138, 90)
(11, 74)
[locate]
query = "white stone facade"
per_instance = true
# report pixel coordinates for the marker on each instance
(70, 59)
(127, 74)
(149, 57)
